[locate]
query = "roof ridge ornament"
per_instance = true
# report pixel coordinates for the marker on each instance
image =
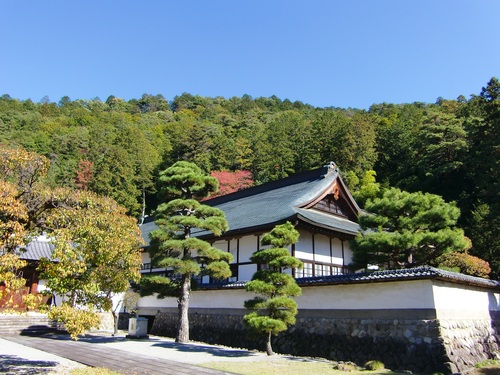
(331, 167)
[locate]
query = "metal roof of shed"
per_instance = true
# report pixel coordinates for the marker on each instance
(36, 250)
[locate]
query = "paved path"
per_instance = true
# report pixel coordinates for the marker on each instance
(138, 357)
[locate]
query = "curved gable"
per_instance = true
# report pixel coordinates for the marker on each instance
(335, 199)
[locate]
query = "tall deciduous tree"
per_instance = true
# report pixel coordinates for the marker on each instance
(20, 205)
(13, 218)
(407, 229)
(97, 246)
(172, 244)
(98, 251)
(274, 309)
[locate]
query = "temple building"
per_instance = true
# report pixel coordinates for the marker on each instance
(316, 202)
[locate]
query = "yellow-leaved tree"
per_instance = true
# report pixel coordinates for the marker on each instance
(96, 245)
(19, 172)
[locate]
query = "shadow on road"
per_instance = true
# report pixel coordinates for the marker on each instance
(188, 348)
(197, 348)
(11, 364)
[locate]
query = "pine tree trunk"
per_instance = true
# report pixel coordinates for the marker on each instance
(269, 348)
(183, 306)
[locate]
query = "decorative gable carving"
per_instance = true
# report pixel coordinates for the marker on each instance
(336, 200)
(329, 204)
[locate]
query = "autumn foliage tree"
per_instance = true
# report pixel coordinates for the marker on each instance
(98, 251)
(464, 263)
(84, 174)
(13, 217)
(21, 171)
(229, 182)
(97, 246)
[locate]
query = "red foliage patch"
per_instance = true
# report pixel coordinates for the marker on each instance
(229, 182)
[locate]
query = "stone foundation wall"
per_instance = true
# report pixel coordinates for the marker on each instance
(415, 345)
(468, 342)
(107, 323)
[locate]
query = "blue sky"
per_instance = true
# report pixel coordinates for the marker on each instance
(326, 53)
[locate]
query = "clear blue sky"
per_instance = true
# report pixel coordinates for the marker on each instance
(349, 53)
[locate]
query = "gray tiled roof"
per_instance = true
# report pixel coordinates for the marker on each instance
(36, 250)
(263, 206)
(325, 220)
(418, 273)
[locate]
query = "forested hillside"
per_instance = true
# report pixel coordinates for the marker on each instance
(115, 148)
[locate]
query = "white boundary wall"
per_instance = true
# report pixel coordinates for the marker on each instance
(449, 300)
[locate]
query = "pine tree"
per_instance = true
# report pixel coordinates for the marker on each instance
(274, 310)
(407, 230)
(172, 245)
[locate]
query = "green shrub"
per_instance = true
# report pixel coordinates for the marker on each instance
(345, 366)
(464, 263)
(374, 365)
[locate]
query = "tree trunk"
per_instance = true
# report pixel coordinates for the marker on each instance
(143, 213)
(410, 259)
(269, 348)
(183, 307)
(115, 322)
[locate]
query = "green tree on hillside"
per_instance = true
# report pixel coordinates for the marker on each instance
(406, 230)
(274, 309)
(397, 132)
(441, 149)
(173, 246)
(483, 174)
(367, 188)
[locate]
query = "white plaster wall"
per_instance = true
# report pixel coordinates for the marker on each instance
(233, 247)
(153, 302)
(248, 245)
(454, 301)
(228, 299)
(337, 249)
(387, 295)
(303, 247)
(246, 271)
(303, 255)
(347, 253)
(221, 245)
(322, 248)
(201, 299)
(451, 301)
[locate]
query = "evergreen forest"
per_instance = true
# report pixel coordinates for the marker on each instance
(116, 148)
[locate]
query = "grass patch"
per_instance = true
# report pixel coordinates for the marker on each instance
(488, 363)
(93, 371)
(282, 366)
